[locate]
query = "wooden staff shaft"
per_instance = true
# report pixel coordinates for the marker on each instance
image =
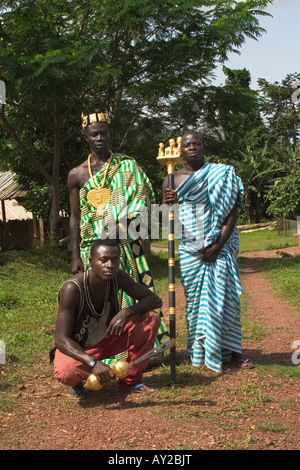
(169, 158)
(171, 274)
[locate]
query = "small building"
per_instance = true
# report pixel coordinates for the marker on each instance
(19, 229)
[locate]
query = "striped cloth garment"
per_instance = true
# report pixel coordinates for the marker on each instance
(212, 290)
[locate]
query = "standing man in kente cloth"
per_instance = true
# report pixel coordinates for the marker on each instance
(108, 193)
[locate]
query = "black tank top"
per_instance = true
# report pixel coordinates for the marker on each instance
(90, 326)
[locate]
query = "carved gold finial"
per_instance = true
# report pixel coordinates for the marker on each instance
(161, 150)
(179, 139)
(171, 153)
(170, 156)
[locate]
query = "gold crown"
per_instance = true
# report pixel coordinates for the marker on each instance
(94, 117)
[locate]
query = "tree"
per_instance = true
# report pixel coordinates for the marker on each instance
(233, 117)
(257, 171)
(284, 195)
(133, 57)
(228, 115)
(281, 111)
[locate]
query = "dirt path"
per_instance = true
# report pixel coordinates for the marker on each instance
(281, 320)
(235, 410)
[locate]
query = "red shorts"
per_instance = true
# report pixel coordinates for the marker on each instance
(138, 338)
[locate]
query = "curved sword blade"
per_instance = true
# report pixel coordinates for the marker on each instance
(158, 349)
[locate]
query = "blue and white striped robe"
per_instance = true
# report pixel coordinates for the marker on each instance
(212, 290)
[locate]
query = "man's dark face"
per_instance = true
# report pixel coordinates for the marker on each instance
(105, 262)
(97, 136)
(192, 148)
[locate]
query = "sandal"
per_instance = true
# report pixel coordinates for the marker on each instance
(186, 360)
(137, 388)
(243, 364)
(78, 391)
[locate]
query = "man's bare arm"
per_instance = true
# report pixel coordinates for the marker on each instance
(146, 301)
(211, 252)
(68, 306)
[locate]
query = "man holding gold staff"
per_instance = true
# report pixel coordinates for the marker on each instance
(108, 192)
(91, 327)
(209, 198)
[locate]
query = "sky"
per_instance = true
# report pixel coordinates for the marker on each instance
(277, 52)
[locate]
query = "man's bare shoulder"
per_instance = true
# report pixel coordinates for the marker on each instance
(79, 168)
(180, 176)
(70, 289)
(181, 171)
(77, 176)
(74, 281)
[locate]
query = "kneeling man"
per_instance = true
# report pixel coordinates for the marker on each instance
(91, 327)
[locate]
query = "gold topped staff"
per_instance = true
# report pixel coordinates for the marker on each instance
(169, 157)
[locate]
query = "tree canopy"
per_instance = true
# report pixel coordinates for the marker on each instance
(281, 110)
(139, 59)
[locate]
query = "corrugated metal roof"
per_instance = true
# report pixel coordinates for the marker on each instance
(13, 211)
(9, 188)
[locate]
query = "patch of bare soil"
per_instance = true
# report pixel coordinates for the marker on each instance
(203, 411)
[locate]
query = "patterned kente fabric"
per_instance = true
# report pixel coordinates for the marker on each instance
(131, 196)
(212, 290)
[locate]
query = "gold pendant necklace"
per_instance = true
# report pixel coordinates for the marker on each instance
(99, 197)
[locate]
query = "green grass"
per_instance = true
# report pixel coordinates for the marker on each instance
(264, 240)
(284, 274)
(30, 281)
(259, 240)
(28, 303)
(271, 426)
(158, 263)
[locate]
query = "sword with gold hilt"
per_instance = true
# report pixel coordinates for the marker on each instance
(169, 157)
(121, 368)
